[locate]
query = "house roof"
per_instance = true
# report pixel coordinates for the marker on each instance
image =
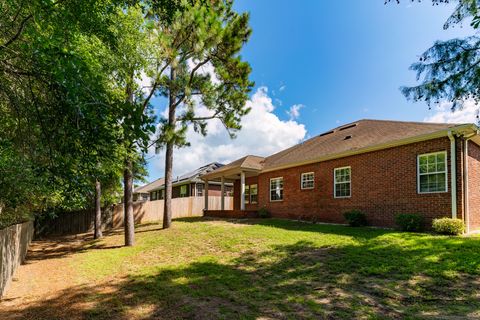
(250, 162)
(192, 176)
(150, 186)
(359, 136)
(352, 137)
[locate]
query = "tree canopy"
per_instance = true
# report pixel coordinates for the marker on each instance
(450, 70)
(62, 119)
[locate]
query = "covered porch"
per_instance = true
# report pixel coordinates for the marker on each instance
(240, 173)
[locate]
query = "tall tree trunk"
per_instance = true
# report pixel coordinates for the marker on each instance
(167, 209)
(98, 211)
(128, 221)
(128, 203)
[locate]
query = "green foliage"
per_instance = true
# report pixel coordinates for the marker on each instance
(412, 222)
(263, 213)
(449, 69)
(448, 226)
(61, 123)
(355, 218)
(203, 35)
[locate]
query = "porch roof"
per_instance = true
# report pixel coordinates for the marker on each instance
(250, 164)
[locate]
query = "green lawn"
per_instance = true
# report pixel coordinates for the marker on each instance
(210, 269)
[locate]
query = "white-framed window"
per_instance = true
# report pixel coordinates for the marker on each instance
(153, 196)
(183, 191)
(162, 194)
(432, 172)
(307, 180)
(342, 182)
(247, 194)
(200, 188)
(276, 189)
(253, 193)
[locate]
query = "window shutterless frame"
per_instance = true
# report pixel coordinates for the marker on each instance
(279, 189)
(304, 176)
(445, 171)
(335, 183)
(253, 193)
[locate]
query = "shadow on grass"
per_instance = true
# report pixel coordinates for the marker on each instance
(389, 276)
(363, 233)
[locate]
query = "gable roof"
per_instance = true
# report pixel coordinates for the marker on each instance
(352, 137)
(250, 162)
(150, 186)
(192, 176)
(360, 136)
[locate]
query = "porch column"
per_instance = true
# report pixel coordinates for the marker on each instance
(242, 191)
(222, 195)
(205, 190)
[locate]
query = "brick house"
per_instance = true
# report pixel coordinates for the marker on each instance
(186, 185)
(380, 167)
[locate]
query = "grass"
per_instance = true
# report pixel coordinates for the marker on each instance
(250, 269)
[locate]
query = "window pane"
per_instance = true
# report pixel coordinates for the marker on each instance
(441, 157)
(253, 193)
(423, 168)
(342, 190)
(276, 189)
(433, 171)
(307, 181)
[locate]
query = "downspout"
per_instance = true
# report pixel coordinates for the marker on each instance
(465, 181)
(453, 174)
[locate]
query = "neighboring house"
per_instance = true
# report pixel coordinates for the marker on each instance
(187, 185)
(380, 167)
(143, 193)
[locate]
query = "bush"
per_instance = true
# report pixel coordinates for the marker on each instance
(355, 218)
(448, 226)
(263, 213)
(412, 222)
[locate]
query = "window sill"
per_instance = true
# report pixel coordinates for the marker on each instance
(276, 200)
(432, 192)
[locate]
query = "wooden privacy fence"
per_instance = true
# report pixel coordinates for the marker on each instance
(72, 222)
(152, 211)
(14, 242)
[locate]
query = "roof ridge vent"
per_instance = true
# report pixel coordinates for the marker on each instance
(325, 133)
(347, 127)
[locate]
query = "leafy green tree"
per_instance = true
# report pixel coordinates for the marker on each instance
(200, 36)
(59, 110)
(450, 70)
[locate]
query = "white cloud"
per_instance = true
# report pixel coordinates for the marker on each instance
(294, 111)
(282, 87)
(444, 114)
(262, 133)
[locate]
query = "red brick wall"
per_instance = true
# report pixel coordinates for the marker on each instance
(474, 185)
(384, 183)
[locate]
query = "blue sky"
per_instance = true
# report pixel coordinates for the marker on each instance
(340, 60)
(343, 60)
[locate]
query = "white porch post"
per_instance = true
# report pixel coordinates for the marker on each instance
(205, 190)
(222, 195)
(242, 191)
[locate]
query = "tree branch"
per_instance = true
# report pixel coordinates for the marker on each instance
(19, 32)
